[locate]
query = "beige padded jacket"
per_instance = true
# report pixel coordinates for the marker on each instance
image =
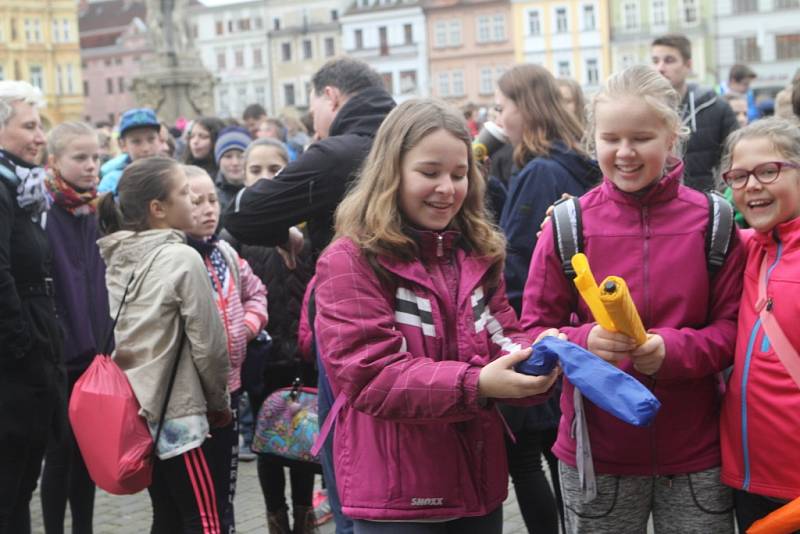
(170, 294)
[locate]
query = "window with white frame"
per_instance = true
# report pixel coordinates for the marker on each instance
(65, 30)
(258, 57)
(458, 82)
(589, 20)
(221, 63)
(455, 33)
(59, 80)
(562, 24)
(627, 61)
(56, 31)
(690, 11)
(241, 96)
(444, 84)
(28, 32)
(563, 69)
(330, 47)
(499, 71)
(307, 49)
(484, 29)
(631, 15)
(787, 46)
(592, 72)
(440, 34)
(534, 23)
(70, 80)
(786, 4)
(36, 76)
(286, 51)
(408, 82)
(499, 27)
(485, 83)
(37, 31)
(659, 12)
(288, 94)
(261, 94)
(238, 57)
(746, 50)
(358, 37)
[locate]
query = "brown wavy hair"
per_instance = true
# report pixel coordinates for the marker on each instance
(545, 117)
(369, 215)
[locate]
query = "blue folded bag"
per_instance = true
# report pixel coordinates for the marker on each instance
(608, 387)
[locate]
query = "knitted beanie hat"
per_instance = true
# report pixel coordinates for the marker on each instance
(231, 138)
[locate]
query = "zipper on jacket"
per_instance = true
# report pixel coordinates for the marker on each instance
(746, 375)
(439, 246)
(646, 224)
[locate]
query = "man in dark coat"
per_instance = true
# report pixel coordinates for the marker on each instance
(348, 104)
(708, 116)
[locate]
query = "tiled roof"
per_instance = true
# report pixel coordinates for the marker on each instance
(110, 14)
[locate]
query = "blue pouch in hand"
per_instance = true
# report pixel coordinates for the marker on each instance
(608, 387)
(540, 362)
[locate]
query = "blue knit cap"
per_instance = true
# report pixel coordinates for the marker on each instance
(231, 138)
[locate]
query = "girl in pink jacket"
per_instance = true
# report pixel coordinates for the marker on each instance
(241, 300)
(644, 225)
(760, 424)
(417, 336)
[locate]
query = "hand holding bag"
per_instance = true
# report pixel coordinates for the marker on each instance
(287, 425)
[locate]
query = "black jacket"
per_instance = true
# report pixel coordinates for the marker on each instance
(310, 188)
(710, 119)
(32, 381)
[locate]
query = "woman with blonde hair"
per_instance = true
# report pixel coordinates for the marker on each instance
(572, 95)
(549, 162)
(416, 334)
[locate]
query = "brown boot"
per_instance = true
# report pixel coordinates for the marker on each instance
(304, 520)
(278, 522)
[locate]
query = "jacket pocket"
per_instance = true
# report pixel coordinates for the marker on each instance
(430, 465)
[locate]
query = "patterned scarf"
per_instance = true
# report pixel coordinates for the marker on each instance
(208, 249)
(78, 203)
(29, 181)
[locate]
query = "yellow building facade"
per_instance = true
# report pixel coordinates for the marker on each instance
(39, 44)
(568, 37)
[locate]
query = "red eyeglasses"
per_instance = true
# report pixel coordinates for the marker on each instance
(765, 173)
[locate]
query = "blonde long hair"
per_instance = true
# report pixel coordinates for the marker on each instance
(369, 215)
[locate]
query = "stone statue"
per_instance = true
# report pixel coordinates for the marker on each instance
(175, 84)
(168, 26)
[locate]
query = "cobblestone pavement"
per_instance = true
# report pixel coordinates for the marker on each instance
(130, 514)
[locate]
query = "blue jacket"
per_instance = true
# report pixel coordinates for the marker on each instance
(531, 191)
(111, 172)
(79, 277)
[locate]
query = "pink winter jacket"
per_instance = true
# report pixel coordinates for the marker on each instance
(242, 308)
(760, 421)
(656, 242)
(412, 441)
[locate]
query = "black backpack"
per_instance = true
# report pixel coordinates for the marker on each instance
(568, 231)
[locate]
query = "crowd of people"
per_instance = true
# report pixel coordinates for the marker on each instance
(406, 279)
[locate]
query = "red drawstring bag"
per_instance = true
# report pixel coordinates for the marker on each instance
(113, 438)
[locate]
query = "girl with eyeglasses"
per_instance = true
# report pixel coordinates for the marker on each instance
(760, 428)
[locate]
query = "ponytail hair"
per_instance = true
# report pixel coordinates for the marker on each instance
(142, 182)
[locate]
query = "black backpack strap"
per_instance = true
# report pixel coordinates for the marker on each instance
(567, 232)
(719, 231)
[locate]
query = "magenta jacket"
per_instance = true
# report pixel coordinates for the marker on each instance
(656, 242)
(760, 422)
(413, 441)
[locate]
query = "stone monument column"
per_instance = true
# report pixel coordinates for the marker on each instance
(175, 84)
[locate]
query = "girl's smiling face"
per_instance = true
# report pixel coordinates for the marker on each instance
(764, 206)
(434, 181)
(633, 142)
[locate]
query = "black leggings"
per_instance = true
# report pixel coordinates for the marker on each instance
(491, 523)
(65, 477)
(540, 511)
(750, 507)
(273, 483)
